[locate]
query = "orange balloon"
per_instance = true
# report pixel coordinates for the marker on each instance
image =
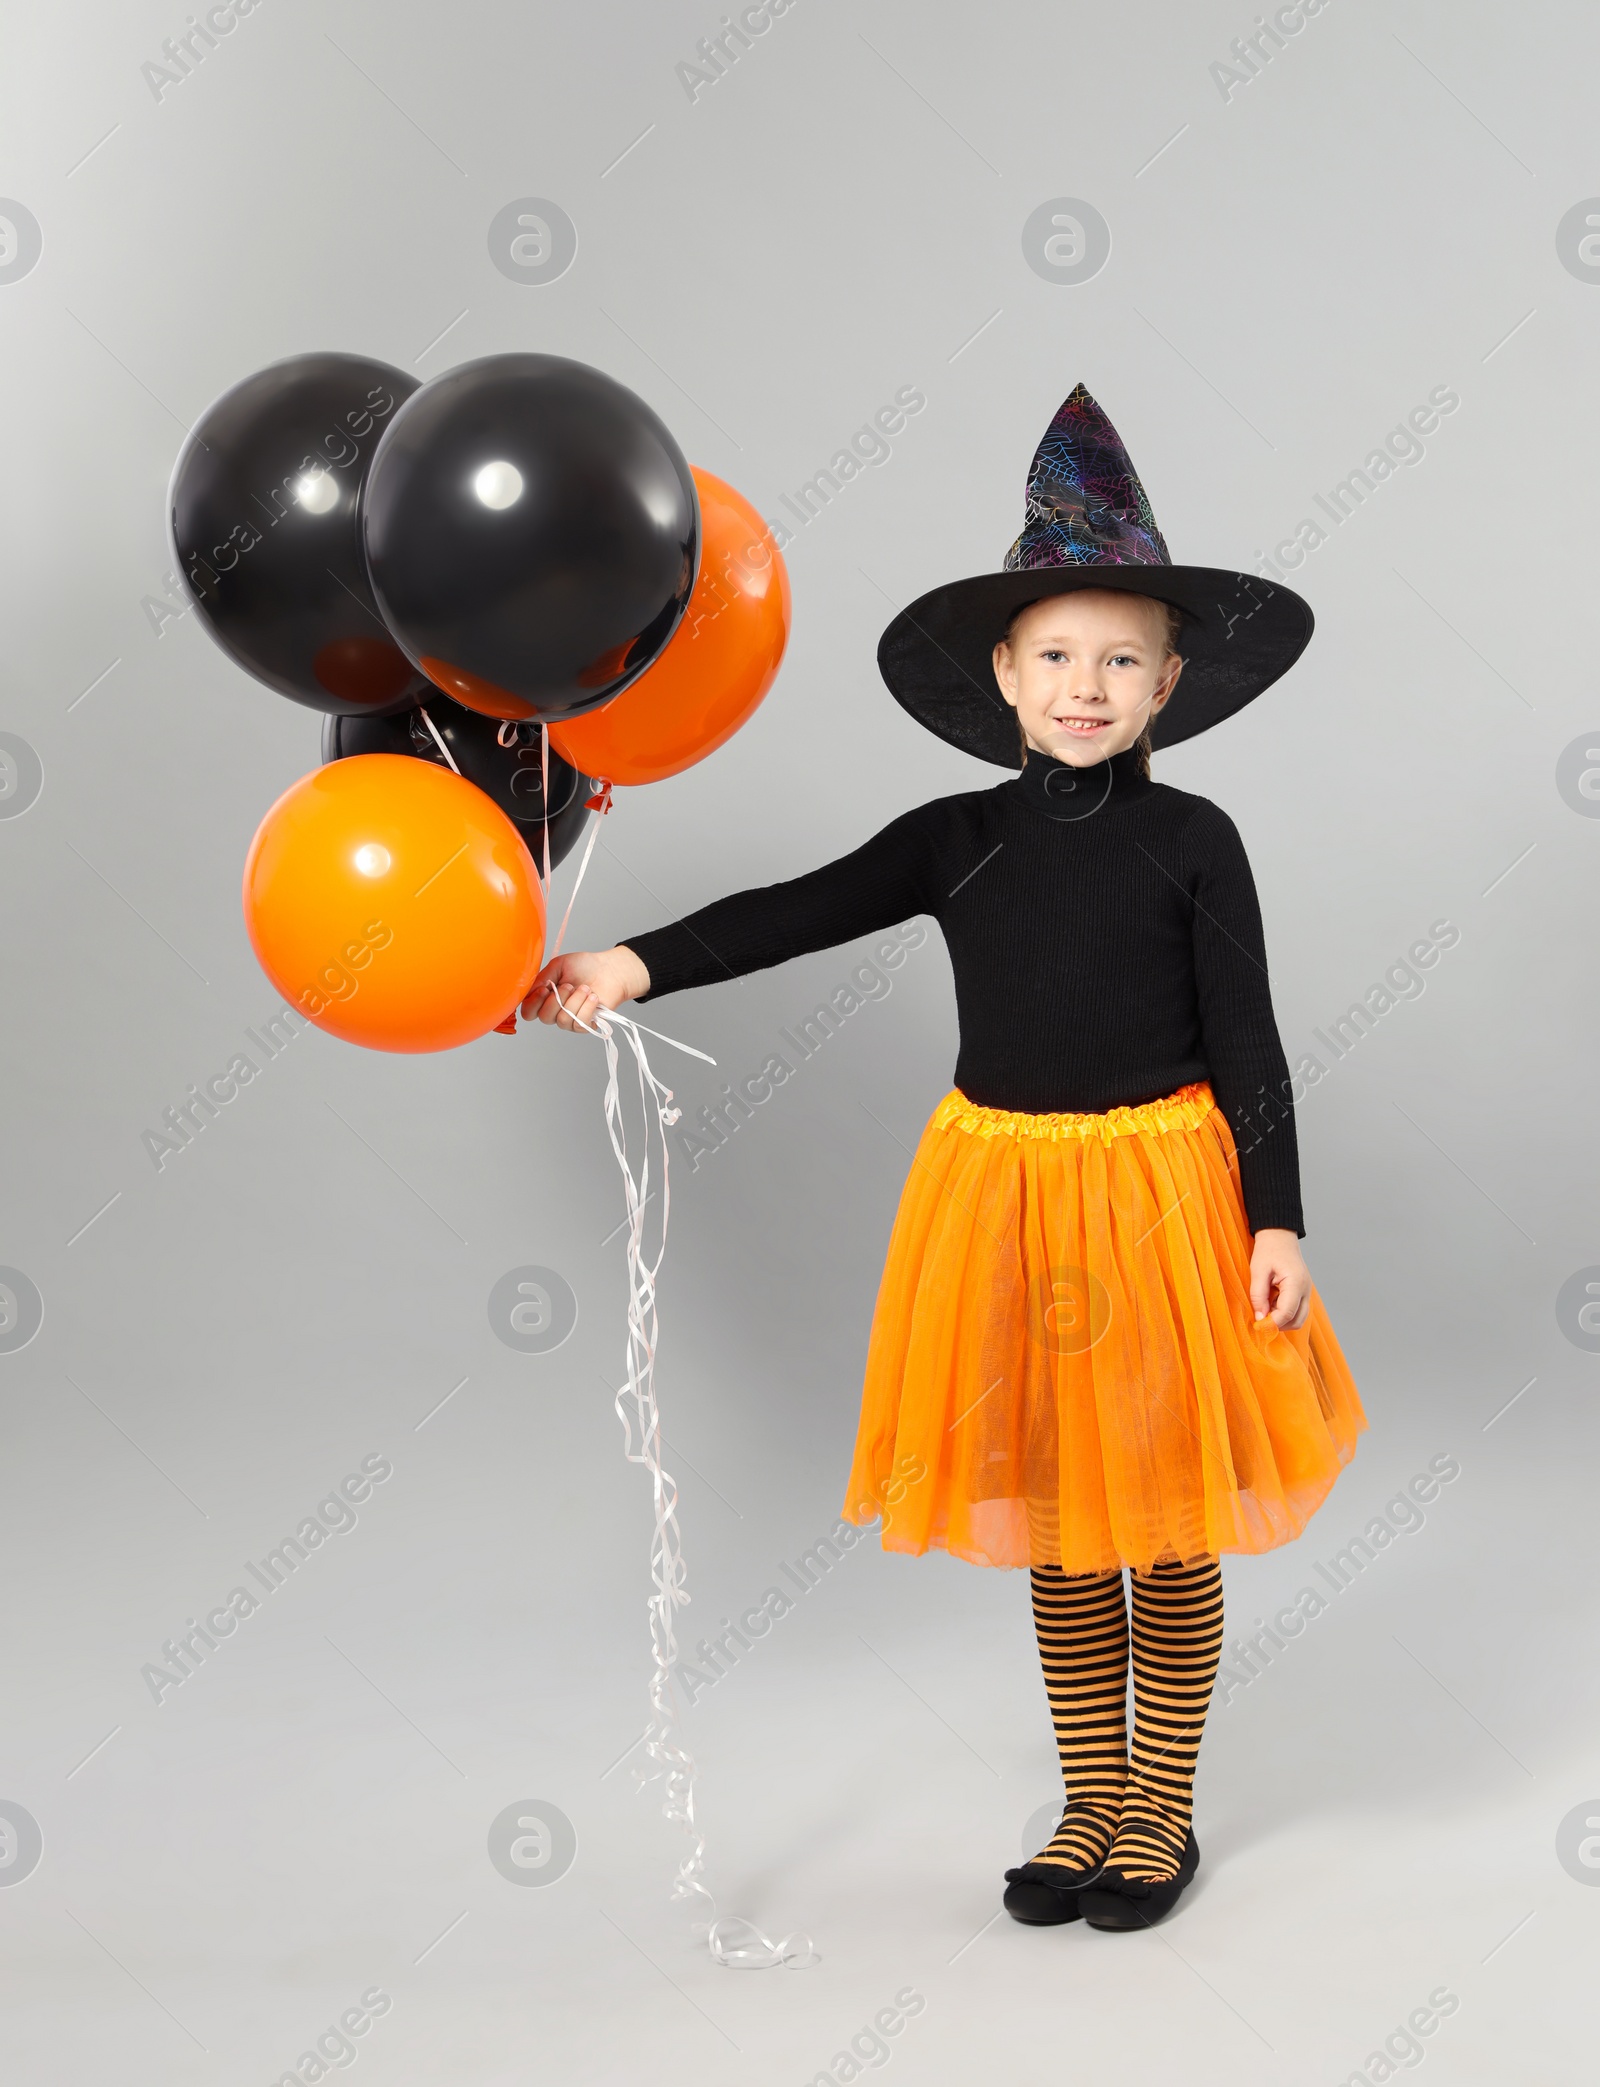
(718, 664)
(394, 904)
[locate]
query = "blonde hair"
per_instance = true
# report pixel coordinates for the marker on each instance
(1171, 629)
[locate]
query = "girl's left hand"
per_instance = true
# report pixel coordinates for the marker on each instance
(1280, 1282)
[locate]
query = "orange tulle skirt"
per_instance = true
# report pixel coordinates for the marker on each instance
(1065, 1367)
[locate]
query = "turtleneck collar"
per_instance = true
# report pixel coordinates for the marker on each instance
(1056, 790)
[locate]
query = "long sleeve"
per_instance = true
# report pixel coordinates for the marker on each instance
(1248, 1070)
(883, 882)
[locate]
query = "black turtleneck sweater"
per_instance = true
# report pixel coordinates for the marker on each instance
(1104, 935)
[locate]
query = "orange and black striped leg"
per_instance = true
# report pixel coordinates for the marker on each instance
(1177, 1644)
(1082, 1627)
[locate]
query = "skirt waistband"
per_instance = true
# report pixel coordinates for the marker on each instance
(1185, 1110)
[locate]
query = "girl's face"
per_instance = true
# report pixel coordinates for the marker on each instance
(1086, 672)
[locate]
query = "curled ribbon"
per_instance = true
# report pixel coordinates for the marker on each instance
(735, 1943)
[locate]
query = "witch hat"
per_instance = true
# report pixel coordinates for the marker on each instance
(1088, 523)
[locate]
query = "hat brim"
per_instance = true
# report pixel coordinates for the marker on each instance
(1240, 634)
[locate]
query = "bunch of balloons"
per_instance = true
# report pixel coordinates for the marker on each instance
(507, 591)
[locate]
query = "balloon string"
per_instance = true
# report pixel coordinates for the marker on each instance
(438, 742)
(733, 1942)
(544, 801)
(588, 850)
(610, 1014)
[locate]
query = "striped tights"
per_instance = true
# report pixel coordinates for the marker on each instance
(1131, 1813)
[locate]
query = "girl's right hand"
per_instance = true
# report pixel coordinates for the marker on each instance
(586, 979)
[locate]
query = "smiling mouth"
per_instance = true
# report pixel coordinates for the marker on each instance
(1082, 725)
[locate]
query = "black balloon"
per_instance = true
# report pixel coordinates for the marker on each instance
(532, 533)
(509, 774)
(265, 523)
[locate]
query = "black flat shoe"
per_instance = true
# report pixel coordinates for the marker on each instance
(1044, 1894)
(1113, 1902)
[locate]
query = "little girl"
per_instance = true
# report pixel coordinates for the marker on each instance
(1096, 1346)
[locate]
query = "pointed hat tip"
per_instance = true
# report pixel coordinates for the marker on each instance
(1084, 503)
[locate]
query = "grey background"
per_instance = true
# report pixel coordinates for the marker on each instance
(1292, 270)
